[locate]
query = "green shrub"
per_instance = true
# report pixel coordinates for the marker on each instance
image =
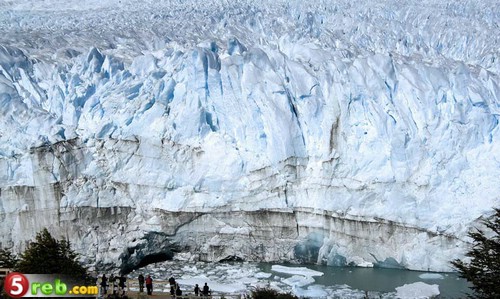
(483, 270)
(46, 255)
(7, 259)
(268, 293)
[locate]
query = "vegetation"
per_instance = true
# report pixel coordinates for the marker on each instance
(483, 270)
(7, 259)
(46, 255)
(268, 293)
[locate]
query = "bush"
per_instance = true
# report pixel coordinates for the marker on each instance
(47, 255)
(7, 259)
(268, 293)
(483, 271)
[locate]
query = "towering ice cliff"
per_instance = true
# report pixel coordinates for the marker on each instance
(268, 130)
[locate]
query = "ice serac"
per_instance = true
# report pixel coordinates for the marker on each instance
(315, 146)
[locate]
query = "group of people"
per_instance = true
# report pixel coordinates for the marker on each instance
(204, 292)
(117, 285)
(175, 289)
(149, 284)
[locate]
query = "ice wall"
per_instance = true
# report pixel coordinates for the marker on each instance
(350, 144)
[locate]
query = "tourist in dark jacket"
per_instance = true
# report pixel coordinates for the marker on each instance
(206, 290)
(178, 291)
(141, 283)
(104, 284)
(122, 284)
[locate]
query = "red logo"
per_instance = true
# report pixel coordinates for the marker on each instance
(16, 285)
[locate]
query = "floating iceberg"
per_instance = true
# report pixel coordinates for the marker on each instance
(302, 271)
(417, 290)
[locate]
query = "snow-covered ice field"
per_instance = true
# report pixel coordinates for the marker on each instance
(363, 133)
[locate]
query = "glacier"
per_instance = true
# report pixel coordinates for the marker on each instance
(341, 134)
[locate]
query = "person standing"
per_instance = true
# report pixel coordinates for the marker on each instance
(141, 283)
(196, 290)
(206, 290)
(122, 285)
(112, 283)
(116, 280)
(149, 285)
(104, 284)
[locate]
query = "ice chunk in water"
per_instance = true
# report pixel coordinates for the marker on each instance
(431, 276)
(417, 290)
(296, 270)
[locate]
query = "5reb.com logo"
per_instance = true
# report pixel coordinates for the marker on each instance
(19, 285)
